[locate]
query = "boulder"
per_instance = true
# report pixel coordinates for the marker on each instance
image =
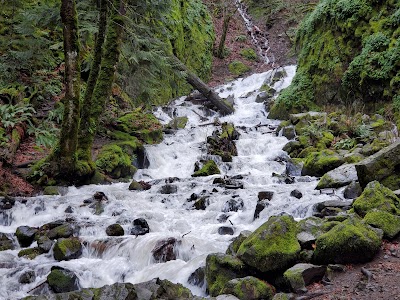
(301, 275)
(136, 186)
(197, 277)
(67, 249)
(62, 280)
(352, 191)
(309, 230)
(296, 193)
(233, 205)
(237, 241)
(25, 235)
(140, 227)
(273, 246)
(6, 242)
(342, 205)
(390, 224)
(225, 230)
(115, 230)
(177, 123)
(168, 189)
(382, 164)
(7, 203)
(220, 268)
(44, 244)
(30, 253)
(165, 250)
(283, 296)
(376, 196)
(65, 230)
(351, 241)
(319, 163)
(27, 277)
(249, 288)
(338, 177)
(209, 168)
(261, 204)
(201, 204)
(265, 195)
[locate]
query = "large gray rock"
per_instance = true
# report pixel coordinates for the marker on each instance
(25, 235)
(301, 275)
(338, 177)
(379, 166)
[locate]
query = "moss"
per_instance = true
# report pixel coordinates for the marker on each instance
(51, 190)
(351, 241)
(392, 182)
(318, 163)
(209, 168)
(376, 196)
(389, 223)
(238, 68)
(65, 249)
(249, 288)
(115, 162)
(29, 253)
(178, 123)
(249, 54)
(273, 246)
(295, 278)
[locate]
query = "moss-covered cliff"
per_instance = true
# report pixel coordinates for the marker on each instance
(349, 52)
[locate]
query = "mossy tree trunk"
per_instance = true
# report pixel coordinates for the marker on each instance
(224, 107)
(65, 155)
(229, 10)
(105, 79)
(93, 76)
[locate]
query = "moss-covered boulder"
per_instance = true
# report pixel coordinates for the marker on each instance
(209, 168)
(26, 235)
(377, 196)
(65, 230)
(62, 280)
(341, 176)
(390, 224)
(301, 275)
(6, 242)
(144, 126)
(318, 163)
(177, 123)
(237, 241)
(221, 268)
(115, 230)
(67, 249)
(249, 288)
(249, 54)
(222, 142)
(351, 241)
(346, 48)
(238, 68)
(30, 253)
(273, 246)
(379, 166)
(114, 162)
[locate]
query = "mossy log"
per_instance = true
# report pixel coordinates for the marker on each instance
(224, 107)
(8, 152)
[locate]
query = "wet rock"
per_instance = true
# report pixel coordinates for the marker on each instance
(62, 280)
(342, 205)
(232, 184)
(51, 191)
(140, 227)
(69, 210)
(352, 191)
(139, 186)
(193, 197)
(164, 250)
(292, 146)
(7, 203)
(237, 241)
(219, 180)
(225, 230)
(301, 275)
(265, 195)
(249, 288)
(376, 196)
(25, 235)
(65, 230)
(338, 177)
(288, 132)
(296, 193)
(168, 189)
(283, 178)
(30, 253)
(115, 230)
(220, 268)
(319, 163)
(100, 196)
(222, 218)
(201, 204)
(293, 168)
(27, 277)
(67, 249)
(260, 206)
(177, 123)
(44, 244)
(309, 230)
(351, 241)
(233, 205)
(197, 277)
(209, 168)
(277, 238)
(6, 242)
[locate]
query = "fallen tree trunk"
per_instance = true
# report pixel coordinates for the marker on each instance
(7, 153)
(224, 107)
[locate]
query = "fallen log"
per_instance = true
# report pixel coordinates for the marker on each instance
(7, 153)
(222, 105)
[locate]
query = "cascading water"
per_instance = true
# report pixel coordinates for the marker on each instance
(106, 260)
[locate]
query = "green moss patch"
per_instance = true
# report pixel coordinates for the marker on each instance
(249, 54)
(209, 168)
(238, 68)
(114, 162)
(389, 223)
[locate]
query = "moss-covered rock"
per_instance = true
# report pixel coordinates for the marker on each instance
(346, 48)
(114, 162)
(271, 247)
(221, 268)
(67, 249)
(390, 224)
(222, 142)
(249, 54)
(209, 168)
(249, 288)
(51, 190)
(351, 241)
(30, 253)
(238, 68)
(377, 196)
(6, 242)
(115, 230)
(177, 123)
(237, 241)
(63, 231)
(25, 235)
(338, 177)
(62, 280)
(318, 163)
(301, 275)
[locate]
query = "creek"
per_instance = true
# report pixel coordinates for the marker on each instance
(106, 260)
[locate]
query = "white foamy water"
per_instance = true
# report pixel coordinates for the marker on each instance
(129, 258)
